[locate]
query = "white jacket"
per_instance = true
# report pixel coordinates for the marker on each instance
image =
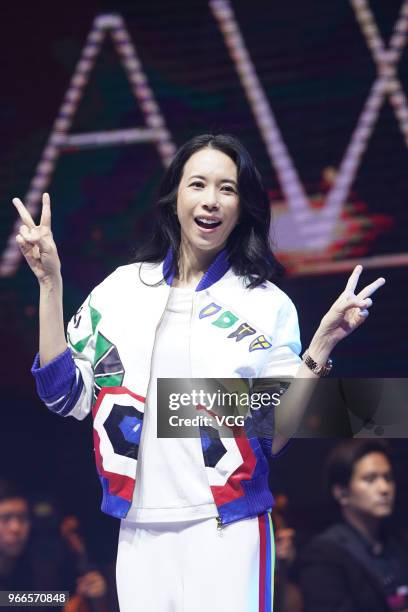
(235, 332)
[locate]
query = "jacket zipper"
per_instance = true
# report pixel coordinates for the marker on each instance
(220, 526)
(217, 518)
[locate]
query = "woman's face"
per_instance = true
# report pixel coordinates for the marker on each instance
(207, 201)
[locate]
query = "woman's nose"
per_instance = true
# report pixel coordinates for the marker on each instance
(213, 206)
(210, 199)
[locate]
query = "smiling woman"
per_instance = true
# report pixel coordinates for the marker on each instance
(213, 177)
(207, 208)
(198, 301)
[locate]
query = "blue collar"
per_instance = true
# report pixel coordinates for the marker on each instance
(217, 269)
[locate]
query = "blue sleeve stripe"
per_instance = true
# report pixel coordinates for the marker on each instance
(73, 397)
(59, 383)
(56, 378)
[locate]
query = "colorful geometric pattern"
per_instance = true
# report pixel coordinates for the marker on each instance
(235, 466)
(124, 426)
(108, 367)
(94, 318)
(118, 417)
(242, 331)
(227, 319)
(260, 343)
(212, 446)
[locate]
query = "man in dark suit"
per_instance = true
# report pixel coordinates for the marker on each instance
(357, 565)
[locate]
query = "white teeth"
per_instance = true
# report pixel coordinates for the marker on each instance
(207, 221)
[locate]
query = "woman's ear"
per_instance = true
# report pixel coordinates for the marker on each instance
(340, 494)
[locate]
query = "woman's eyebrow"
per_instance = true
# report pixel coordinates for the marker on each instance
(224, 180)
(197, 176)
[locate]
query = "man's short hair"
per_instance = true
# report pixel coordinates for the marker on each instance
(10, 490)
(344, 456)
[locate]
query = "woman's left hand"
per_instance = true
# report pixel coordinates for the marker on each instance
(348, 312)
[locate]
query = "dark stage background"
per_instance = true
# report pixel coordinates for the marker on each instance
(316, 70)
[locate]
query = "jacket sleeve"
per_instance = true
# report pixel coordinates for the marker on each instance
(81, 336)
(283, 362)
(284, 357)
(66, 383)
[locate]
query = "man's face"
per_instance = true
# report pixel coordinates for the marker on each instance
(371, 490)
(15, 526)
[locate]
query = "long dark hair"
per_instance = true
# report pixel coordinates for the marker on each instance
(248, 245)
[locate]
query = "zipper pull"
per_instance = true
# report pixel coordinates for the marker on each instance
(219, 525)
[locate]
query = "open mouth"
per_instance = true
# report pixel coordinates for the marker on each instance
(207, 223)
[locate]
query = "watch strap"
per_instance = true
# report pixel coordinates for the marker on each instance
(318, 369)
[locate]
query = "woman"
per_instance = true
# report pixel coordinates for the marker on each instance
(198, 302)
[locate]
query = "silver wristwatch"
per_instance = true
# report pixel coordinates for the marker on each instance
(319, 370)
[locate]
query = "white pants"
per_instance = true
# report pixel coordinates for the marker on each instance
(193, 567)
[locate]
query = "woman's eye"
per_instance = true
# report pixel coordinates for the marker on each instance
(197, 184)
(228, 188)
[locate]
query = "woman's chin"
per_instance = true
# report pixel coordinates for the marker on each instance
(206, 243)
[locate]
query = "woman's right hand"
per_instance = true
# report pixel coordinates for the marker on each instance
(37, 243)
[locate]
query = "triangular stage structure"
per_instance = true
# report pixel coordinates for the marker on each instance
(60, 139)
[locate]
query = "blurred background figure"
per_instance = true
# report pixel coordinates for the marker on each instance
(95, 591)
(287, 594)
(359, 564)
(38, 552)
(15, 526)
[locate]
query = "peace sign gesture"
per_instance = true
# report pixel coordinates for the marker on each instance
(36, 242)
(349, 311)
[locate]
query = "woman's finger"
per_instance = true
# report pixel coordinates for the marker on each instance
(356, 302)
(23, 212)
(31, 253)
(369, 290)
(36, 239)
(24, 232)
(353, 279)
(28, 235)
(46, 210)
(362, 304)
(24, 246)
